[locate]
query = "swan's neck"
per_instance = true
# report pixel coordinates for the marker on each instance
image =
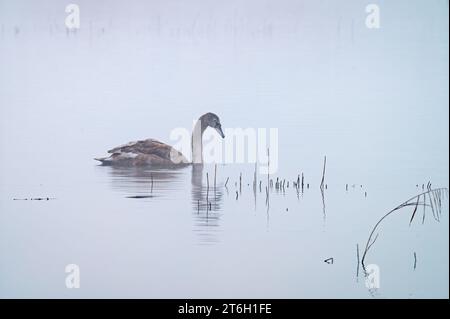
(196, 142)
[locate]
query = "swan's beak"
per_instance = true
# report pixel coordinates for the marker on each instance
(219, 130)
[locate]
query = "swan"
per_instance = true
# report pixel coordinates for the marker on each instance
(151, 152)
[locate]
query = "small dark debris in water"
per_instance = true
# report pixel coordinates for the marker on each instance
(346, 187)
(226, 181)
(329, 261)
(237, 195)
(415, 260)
(365, 194)
(140, 196)
(307, 185)
(287, 209)
(35, 198)
(210, 207)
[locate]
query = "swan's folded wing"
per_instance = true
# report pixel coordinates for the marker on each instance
(148, 146)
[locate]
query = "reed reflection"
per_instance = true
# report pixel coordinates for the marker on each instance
(207, 198)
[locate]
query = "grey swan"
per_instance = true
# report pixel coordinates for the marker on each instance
(151, 152)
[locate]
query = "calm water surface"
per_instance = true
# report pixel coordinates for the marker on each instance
(374, 102)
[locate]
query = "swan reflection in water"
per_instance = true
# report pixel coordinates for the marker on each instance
(168, 185)
(206, 202)
(132, 167)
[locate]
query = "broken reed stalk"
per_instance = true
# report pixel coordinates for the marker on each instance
(323, 173)
(357, 259)
(423, 214)
(415, 260)
(240, 182)
(415, 202)
(303, 182)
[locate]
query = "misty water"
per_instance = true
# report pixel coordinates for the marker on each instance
(373, 101)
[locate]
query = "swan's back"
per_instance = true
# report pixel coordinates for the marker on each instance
(149, 152)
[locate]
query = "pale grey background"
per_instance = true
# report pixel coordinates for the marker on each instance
(374, 101)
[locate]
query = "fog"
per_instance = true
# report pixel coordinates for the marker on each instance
(374, 101)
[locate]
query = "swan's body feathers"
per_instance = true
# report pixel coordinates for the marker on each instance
(142, 153)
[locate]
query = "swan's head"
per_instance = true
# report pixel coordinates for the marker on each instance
(213, 121)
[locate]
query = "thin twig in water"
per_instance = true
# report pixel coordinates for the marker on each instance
(323, 173)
